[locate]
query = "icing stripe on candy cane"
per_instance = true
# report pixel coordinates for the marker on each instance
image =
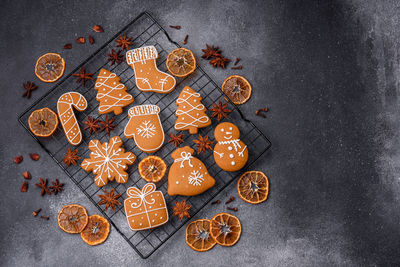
(67, 115)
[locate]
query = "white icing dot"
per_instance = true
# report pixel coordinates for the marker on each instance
(142, 218)
(230, 128)
(177, 182)
(231, 156)
(133, 220)
(222, 130)
(229, 148)
(152, 220)
(155, 214)
(160, 217)
(114, 83)
(233, 163)
(120, 95)
(105, 100)
(105, 72)
(140, 224)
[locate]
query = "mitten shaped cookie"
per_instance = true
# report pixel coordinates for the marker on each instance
(148, 77)
(230, 153)
(144, 126)
(188, 176)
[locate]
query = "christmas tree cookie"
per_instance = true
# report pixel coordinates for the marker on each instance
(188, 176)
(111, 93)
(148, 77)
(191, 113)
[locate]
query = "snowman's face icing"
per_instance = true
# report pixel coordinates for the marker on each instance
(226, 131)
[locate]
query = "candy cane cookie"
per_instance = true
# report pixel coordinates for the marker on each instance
(67, 116)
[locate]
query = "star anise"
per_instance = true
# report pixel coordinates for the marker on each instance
(92, 125)
(176, 139)
(202, 144)
(219, 62)
(107, 125)
(43, 186)
(124, 42)
(83, 76)
(220, 110)
(211, 52)
(182, 209)
(71, 157)
(56, 187)
(109, 199)
(115, 57)
(29, 87)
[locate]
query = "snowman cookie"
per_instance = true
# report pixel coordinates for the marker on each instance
(230, 153)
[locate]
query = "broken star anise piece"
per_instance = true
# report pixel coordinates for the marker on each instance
(202, 144)
(220, 110)
(83, 76)
(109, 199)
(29, 87)
(219, 62)
(56, 187)
(107, 125)
(176, 139)
(92, 125)
(43, 186)
(115, 57)
(211, 52)
(182, 209)
(71, 157)
(124, 42)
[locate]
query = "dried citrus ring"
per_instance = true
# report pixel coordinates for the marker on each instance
(225, 229)
(253, 187)
(181, 62)
(50, 67)
(43, 122)
(152, 169)
(198, 236)
(72, 218)
(237, 88)
(96, 231)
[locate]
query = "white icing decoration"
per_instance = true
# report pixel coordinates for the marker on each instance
(233, 163)
(230, 148)
(195, 121)
(235, 144)
(195, 178)
(231, 156)
(185, 156)
(146, 129)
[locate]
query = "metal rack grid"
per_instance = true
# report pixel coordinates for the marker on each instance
(146, 31)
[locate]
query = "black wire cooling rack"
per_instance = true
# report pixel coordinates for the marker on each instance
(146, 31)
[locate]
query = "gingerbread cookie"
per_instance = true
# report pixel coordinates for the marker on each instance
(111, 93)
(146, 208)
(230, 153)
(191, 113)
(108, 161)
(148, 77)
(188, 176)
(144, 126)
(67, 116)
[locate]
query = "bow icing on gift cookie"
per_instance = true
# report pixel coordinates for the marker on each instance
(148, 77)
(145, 208)
(108, 161)
(191, 113)
(111, 93)
(230, 153)
(144, 126)
(67, 115)
(188, 176)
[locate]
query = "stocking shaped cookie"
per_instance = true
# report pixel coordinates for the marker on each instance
(145, 208)
(230, 153)
(191, 113)
(111, 93)
(144, 126)
(67, 116)
(188, 176)
(148, 77)
(108, 161)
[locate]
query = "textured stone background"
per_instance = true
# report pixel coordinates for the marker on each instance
(328, 71)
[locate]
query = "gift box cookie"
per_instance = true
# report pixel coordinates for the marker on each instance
(145, 208)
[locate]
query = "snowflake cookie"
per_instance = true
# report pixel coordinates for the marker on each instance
(108, 161)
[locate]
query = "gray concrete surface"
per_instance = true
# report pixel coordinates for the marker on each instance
(328, 71)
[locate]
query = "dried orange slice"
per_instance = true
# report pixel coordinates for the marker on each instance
(253, 187)
(96, 231)
(237, 88)
(152, 169)
(198, 236)
(50, 67)
(225, 229)
(72, 218)
(43, 122)
(181, 62)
